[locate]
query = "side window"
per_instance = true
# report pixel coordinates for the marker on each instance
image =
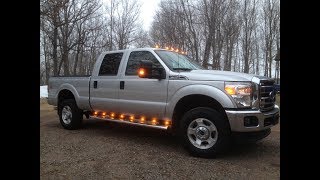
(110, 64)
(134, 61)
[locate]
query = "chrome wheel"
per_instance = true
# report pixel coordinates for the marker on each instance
(66, 114)
(202, 133)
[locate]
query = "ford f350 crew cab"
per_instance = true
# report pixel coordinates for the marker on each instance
(163, 89)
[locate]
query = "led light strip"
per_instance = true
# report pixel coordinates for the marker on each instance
(130, 119)
(172, 49)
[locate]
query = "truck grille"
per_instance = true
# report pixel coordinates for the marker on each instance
(267, 95)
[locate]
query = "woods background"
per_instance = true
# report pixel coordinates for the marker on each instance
(232, 35)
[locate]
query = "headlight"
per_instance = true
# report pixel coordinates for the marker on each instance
(241, 92)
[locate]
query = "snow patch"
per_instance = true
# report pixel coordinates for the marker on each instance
(43, 91)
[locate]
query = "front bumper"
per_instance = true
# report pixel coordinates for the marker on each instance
(250, 137)
(265, 119)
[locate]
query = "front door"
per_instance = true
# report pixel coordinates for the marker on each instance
(142, 96)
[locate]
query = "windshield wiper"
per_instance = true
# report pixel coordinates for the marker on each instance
(183, 69)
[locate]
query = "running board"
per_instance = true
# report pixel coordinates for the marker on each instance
(131, 123)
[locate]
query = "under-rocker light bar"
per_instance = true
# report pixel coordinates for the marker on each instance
(132, 118)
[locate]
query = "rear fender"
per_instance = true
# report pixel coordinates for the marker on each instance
(72, 89)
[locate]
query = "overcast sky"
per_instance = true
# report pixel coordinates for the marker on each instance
(147, 11)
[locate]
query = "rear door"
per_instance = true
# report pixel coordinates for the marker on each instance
(104, 84)
(142, 96)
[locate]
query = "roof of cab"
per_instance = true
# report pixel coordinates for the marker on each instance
(132, 49)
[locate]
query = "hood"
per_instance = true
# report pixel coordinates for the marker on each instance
(214, 75)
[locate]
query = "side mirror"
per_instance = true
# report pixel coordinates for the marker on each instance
(146, 70)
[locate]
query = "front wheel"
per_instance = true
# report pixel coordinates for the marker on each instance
(204, 132)
(70, 115)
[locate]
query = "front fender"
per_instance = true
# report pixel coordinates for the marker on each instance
(206, 90)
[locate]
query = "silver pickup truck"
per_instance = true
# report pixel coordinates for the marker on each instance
(163, 89)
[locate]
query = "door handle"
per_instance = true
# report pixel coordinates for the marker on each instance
(121, 84)
(95, 84)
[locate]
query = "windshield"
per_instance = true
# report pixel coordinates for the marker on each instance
(177, 62)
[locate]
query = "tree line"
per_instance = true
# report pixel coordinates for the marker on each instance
(232, 35)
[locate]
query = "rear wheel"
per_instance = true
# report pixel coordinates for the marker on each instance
(204, 132)
(70, 115)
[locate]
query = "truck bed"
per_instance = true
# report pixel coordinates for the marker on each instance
(74, 76)
(79, 85)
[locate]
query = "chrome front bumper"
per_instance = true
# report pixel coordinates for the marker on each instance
(236, 119)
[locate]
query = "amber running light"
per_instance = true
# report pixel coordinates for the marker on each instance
(141, 71)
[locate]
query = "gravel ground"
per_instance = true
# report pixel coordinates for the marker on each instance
(104, 150)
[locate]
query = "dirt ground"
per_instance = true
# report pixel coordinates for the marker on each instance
(105, 150)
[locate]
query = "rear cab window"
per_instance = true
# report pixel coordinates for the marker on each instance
(110, 64)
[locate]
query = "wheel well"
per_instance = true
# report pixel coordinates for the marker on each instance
(64, 94)
(192, 101)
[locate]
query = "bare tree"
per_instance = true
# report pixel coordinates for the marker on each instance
(237, 35)
(248, 26)
(190, 18)
(231, 31)
(60, 19)
(126, 22)
(162, 30)
(72, 12)
(142, 39)
(49, 12)
(271, 21)
(42, 71)
(45, 54)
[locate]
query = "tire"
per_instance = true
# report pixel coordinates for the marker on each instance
(209, 132)
(70, 115)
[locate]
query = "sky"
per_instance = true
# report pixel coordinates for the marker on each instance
(148, 10)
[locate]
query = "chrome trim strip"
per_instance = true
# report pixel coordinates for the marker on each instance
(264, 95)
(132, 123)
(178, 77)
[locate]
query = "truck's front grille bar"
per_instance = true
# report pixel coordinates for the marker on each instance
(267, 95)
